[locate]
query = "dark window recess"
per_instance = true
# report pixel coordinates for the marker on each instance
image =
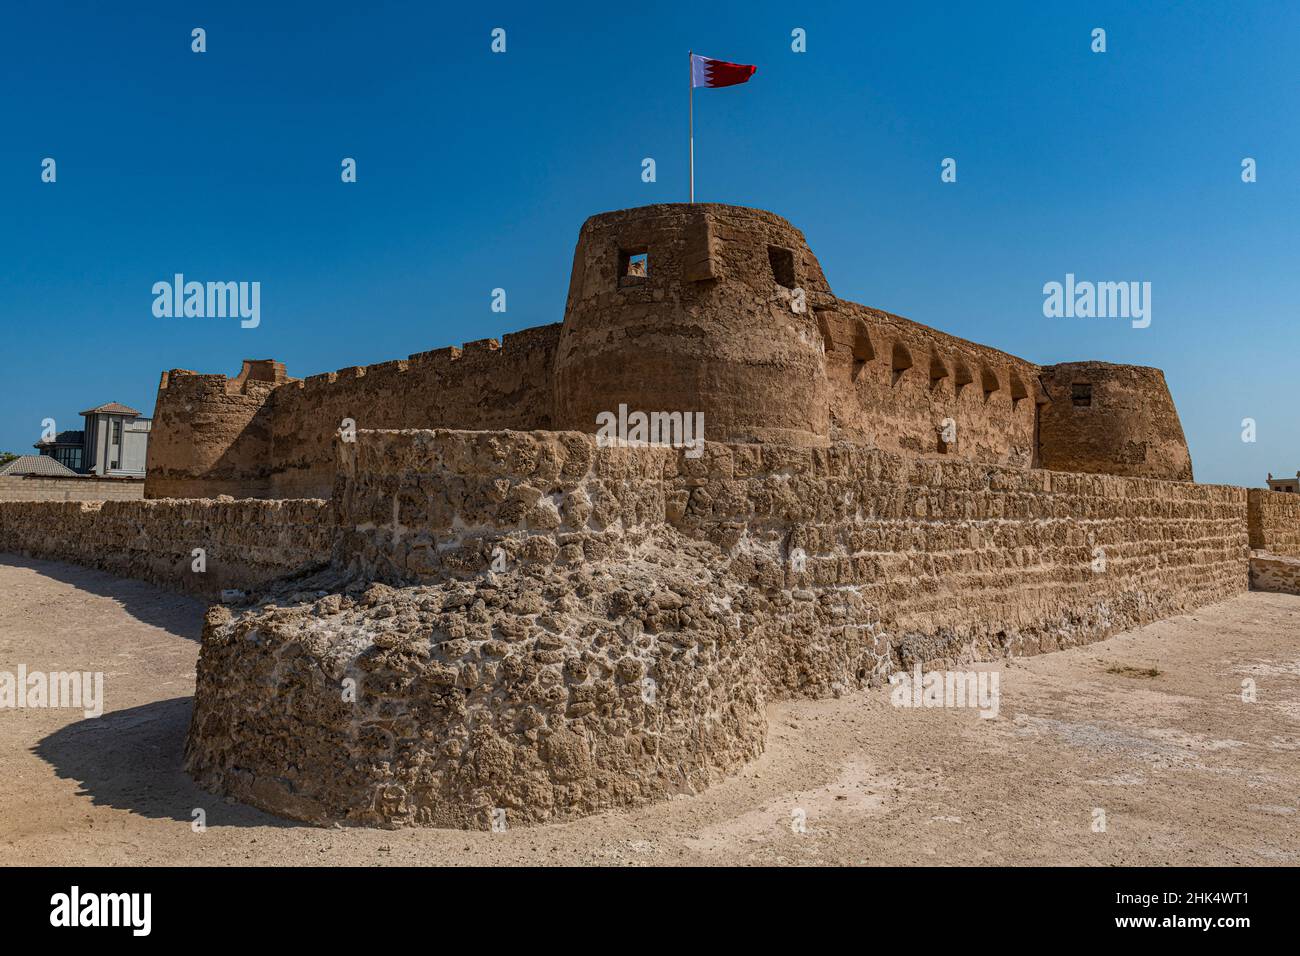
(71, 457)
(782, 262)
(1081, 394)
(633, 266)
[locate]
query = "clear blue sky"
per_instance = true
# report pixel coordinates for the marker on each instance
(475, 171)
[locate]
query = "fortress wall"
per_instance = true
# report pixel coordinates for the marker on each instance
(893, 382)
(211, 436)
(482, 385)
(967, 559)
(732, 318)
(248, 543)
(588, 628)
(263, 434)
(1274, 520)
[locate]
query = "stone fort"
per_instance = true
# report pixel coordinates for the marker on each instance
(471, 609)
(709, 327)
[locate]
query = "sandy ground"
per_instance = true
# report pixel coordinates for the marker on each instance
(1184, 770)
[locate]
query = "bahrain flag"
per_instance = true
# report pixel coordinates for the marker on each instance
(706, 71)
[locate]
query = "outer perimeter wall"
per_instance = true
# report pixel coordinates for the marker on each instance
(932, 545)
(245, 543)
(1009, 559)
(1275, 522)
(576, 628)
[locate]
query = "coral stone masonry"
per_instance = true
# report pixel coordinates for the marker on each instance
(465, 607)
(645, 607)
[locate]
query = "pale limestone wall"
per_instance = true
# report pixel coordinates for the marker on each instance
(1274, 572)
(248, 543)
(70, 489)
(1275, 522)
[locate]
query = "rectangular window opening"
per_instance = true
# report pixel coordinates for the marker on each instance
(1081, 394)
(633, 266)
(782, 262)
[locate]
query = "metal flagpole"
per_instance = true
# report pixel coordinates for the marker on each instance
(690, 79)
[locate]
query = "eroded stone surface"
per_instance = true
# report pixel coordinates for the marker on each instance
(562, 628)
(555, 690)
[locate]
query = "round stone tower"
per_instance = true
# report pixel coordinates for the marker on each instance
(695, 308)
(1111, 419)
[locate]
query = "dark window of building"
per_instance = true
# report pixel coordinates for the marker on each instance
(69, 457)
(782, 262)
(1081, 394)
(633, 266)
(117, 433)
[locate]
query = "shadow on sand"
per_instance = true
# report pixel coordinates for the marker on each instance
(178, 614)
(131, 760)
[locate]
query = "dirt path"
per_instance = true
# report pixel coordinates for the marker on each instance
(1183, 769)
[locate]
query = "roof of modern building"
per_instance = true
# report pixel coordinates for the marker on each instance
(111, 408)
(68, 437)
(36, 465)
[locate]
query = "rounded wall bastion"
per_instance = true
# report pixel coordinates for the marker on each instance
(1111, 419)
(695, 308)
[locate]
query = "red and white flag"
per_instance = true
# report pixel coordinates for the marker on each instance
(708, 72)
